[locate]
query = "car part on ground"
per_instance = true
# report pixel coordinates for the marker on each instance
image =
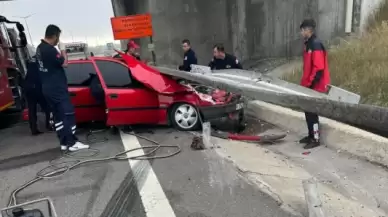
(253, 138)
(24, 210)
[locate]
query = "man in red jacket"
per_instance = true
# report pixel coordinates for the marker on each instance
(316, 76)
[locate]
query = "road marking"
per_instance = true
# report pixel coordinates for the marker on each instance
(152, 195)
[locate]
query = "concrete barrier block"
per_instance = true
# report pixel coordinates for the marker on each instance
(334, 134)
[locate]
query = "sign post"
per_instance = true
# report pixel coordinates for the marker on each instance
(134, 26)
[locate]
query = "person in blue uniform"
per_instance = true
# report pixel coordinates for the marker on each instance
(189, 56)
(51, 65)
(222, 60)
(34, 95)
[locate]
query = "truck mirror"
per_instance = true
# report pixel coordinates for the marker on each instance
(20, 27)
(23, 39)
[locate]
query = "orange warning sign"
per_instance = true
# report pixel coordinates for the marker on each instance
(134, 26)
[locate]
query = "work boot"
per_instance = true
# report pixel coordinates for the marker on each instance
(50, 129)
(36, 133)
(78, 146)
(305, 140)
(313, 143)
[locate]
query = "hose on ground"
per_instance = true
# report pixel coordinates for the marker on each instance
(59, 169)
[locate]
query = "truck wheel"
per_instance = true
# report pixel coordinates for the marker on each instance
(185, 117)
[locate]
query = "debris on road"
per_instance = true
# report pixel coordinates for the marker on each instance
(197, 143)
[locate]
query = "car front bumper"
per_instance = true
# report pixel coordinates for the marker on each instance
(220, 111)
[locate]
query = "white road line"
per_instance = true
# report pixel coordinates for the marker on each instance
(152, 195)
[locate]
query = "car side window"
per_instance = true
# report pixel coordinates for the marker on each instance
(114, 74)
(78, 74)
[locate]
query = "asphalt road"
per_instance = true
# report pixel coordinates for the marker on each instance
(190, 184)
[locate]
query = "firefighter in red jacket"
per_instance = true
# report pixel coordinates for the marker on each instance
(316, 76)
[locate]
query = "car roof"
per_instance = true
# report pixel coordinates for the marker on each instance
(89, 59)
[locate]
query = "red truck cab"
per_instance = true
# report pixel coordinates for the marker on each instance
(6, 97)
(13, 53)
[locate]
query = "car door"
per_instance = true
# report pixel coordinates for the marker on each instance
(127, 101)
(78, 78)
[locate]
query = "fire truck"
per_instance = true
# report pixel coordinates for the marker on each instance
(13, 58)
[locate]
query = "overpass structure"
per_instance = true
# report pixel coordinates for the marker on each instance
(251, 29)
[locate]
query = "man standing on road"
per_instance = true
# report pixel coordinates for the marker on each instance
(34, 95)
(189, 56)
(222, 60)
(54, 86)
(316, 76)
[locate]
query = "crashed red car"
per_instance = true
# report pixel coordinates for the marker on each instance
(127, 92)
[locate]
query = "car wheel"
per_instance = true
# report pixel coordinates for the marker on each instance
(185, 117)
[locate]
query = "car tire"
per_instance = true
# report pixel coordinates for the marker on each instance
(185, 117)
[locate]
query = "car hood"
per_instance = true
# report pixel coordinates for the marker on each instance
(151, 77)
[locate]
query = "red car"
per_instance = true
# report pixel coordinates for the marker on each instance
(127, 92)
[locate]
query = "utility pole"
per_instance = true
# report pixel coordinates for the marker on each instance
(72, 36)
(28, 29)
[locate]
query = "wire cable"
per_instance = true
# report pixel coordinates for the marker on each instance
(57, 169)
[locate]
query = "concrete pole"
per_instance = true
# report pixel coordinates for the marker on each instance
(314, 204)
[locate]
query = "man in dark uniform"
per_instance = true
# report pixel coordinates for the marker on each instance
(189, 56)
(222, 60)
(34, 95)
(54, 86)
(316, 76)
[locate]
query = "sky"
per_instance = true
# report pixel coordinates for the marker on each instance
(79, 20)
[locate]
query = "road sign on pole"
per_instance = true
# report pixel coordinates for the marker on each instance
(131, 27)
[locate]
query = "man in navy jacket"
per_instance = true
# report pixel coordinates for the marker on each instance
(189, 56)
(34, 95)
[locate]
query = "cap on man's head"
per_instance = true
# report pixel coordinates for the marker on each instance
(132, 44)
(308, 23)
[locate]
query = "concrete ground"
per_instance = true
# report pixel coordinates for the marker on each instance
(347, 186)
(231, 179)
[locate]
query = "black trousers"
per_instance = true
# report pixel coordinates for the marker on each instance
(35, 98)
(64, 118)
(312, 121)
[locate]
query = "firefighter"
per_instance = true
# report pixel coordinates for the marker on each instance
(131, 49)
(316, 76)
(51, 65)
(189, 56)
(34, 95)
(222, 60)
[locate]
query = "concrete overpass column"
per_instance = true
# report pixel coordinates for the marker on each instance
(119, 9)
(239, 27)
